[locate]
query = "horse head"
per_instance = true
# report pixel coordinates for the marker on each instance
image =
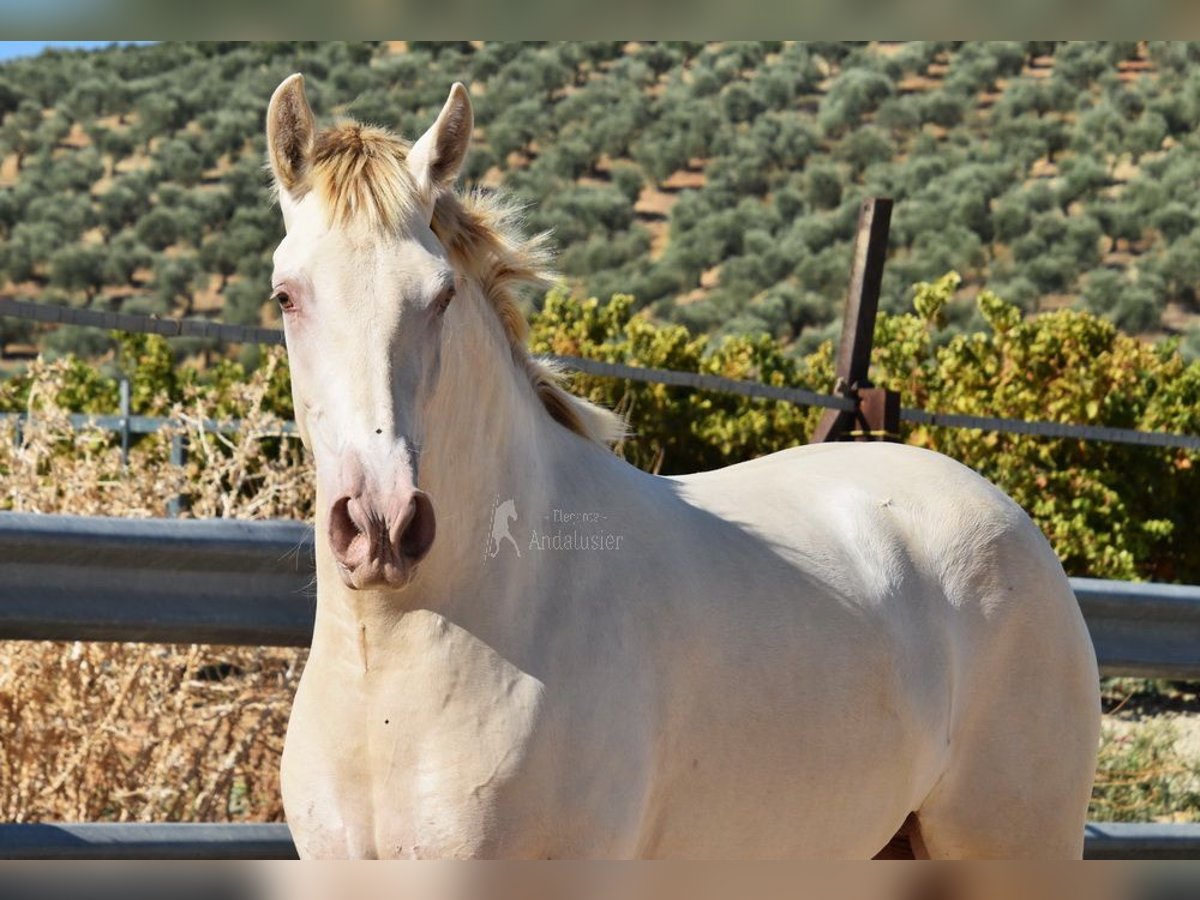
(364, 287)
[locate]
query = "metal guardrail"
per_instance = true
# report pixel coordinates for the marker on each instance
(206, 581)
(130, 840)
(196, 840)
(1148, 630)
(236, 582)
(1141, 840)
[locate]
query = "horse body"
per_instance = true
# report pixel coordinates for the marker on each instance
(784, 658)
(869, 622)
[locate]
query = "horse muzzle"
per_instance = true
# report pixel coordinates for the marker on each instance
(377, 546)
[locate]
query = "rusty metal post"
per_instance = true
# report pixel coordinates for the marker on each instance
(877, 411)
(877, 416)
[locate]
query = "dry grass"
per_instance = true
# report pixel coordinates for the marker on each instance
(142, 732)
(146, 732)
(255, 474)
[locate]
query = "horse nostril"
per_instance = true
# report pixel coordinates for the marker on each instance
(417, 532)
(342, 530)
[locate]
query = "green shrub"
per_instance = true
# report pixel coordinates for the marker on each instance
(1111, 510)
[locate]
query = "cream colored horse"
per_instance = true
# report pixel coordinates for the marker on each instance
(796, 656)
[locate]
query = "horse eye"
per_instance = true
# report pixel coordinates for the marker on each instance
(284, 299)
(443, 301)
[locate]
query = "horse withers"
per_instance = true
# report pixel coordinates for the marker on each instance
(525, 647)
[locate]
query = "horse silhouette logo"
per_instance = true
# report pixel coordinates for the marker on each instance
(502, 515)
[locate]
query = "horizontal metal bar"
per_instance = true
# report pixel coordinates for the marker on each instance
(242, 334)
(136, 840)
(1149, 630)
(228, 581)
(219, 581)
(1141, 840)
(1067, 430)
(123, 840)
(151, 424)
(704, 382)
(138, 324)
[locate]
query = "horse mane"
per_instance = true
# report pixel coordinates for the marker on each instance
(359, 172)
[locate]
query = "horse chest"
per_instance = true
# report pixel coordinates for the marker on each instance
(424, 760)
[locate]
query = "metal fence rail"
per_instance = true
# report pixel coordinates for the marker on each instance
(150, 424)
(1141, 840)
(225, 581)
(1149, 630)
(207, 581)
(196, 840)
(138, 324)
(137, 840)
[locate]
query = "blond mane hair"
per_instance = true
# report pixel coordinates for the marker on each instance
(359, 173)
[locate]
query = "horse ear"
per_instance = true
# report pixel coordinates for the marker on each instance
(291, 133)
(437, 157)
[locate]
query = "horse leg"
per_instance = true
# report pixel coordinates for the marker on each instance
(1018, 784)
(907, 842)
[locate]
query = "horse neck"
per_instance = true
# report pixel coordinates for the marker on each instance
(486, 439)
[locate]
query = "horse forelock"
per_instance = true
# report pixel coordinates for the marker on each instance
(360, 174)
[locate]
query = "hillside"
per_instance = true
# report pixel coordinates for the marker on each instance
(717, 183)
